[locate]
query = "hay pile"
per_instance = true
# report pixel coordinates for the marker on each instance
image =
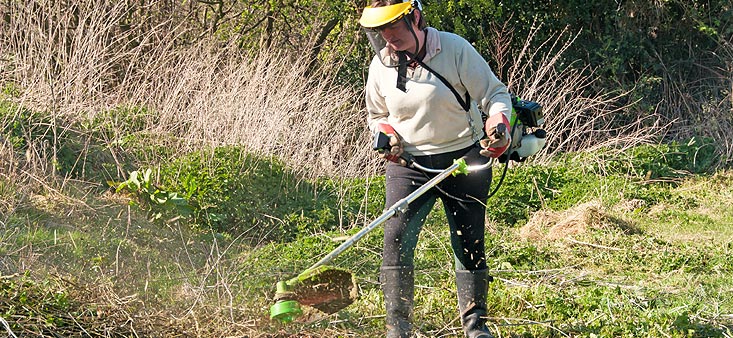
(554, 225)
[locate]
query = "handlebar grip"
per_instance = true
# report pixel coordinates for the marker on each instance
(500, 129)
(381, 143)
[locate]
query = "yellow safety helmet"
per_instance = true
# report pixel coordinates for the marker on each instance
(373, 17)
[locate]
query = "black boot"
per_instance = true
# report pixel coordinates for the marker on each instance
(472, 287)
(398, 285)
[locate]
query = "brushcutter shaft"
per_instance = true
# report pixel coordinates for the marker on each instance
(401, 205)
(468, 168)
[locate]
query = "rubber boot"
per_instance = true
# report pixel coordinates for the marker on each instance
(398, 285)
(473, 287)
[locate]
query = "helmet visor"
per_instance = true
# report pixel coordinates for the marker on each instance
(386, 54)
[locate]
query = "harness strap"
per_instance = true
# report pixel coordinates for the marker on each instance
(402, 71)
(464, 102)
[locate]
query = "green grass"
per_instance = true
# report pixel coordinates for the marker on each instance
(644, 252)
(608, 281)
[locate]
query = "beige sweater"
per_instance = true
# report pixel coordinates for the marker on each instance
(428, 116)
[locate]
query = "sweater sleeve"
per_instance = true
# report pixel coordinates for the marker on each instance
(376, 106)
(485, 88)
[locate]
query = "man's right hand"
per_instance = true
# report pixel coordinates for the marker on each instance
(395, 145)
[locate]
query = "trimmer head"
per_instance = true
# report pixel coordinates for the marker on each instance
(286, 308)
(285, 311)
(325, 288)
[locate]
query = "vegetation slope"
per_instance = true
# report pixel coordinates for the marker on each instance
(163, 165)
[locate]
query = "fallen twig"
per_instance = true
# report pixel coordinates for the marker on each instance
(7, 327)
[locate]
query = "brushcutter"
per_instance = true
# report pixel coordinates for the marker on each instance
(331, 289)
(528, 137)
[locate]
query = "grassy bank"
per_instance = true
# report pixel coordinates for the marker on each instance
(158, 176)
(622, 244)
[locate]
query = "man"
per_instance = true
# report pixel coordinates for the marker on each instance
(425, 88)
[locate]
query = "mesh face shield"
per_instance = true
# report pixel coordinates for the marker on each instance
(387, 55)
(374, 19)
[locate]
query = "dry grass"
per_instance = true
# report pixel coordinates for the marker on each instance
(700, 99)
(577, 116)
(77, 64)
(78, 276)
(269, 104)
(272, 102)
(579, 220)
(62, 307)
